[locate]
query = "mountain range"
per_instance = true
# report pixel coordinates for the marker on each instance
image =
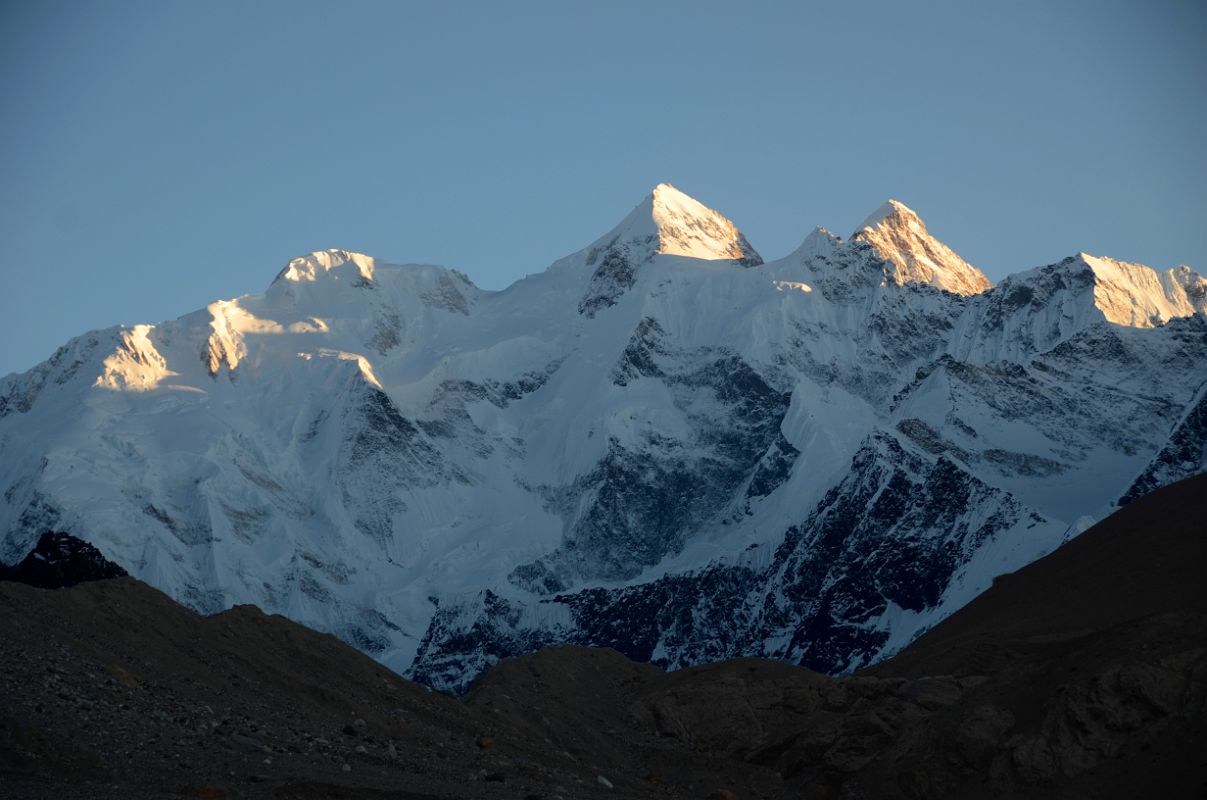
(661, 443)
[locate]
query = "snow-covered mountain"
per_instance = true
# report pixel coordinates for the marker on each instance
(660, 443)
(901, 238)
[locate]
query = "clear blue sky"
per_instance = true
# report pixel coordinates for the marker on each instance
(159, 155)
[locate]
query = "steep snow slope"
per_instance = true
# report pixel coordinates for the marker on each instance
(659, 443)
(686, 227)
(1035, 310)
(901, 238)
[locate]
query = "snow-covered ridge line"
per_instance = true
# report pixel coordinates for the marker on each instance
(1139, 296)
(656, 430)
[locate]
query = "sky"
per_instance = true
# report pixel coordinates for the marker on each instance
(159, 155)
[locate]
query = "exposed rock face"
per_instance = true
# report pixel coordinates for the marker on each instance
(644, 498)
(901, 238)
(59, 560)
(1183, 455)
(1193, 284)
(828, 597)
(615, 273)
(1054, 683)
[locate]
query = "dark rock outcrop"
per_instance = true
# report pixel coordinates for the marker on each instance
(1184, 454)
(59, 560)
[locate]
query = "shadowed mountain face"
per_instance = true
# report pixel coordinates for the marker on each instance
(1081, 675)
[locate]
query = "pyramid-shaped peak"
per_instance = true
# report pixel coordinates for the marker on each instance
(667, 197)
(683, 226)
(891, 208)
(819, 241)
(900, 237)
(667, 191)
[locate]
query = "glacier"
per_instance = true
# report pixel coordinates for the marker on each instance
(661, 443)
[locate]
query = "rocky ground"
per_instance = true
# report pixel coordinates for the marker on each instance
(110, 689)
(1083, 675)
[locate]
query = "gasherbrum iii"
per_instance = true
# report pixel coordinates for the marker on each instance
(660, 444)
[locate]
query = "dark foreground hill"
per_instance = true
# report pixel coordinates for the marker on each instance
(1083, 675)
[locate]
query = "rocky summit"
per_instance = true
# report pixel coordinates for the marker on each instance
(663, 443)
